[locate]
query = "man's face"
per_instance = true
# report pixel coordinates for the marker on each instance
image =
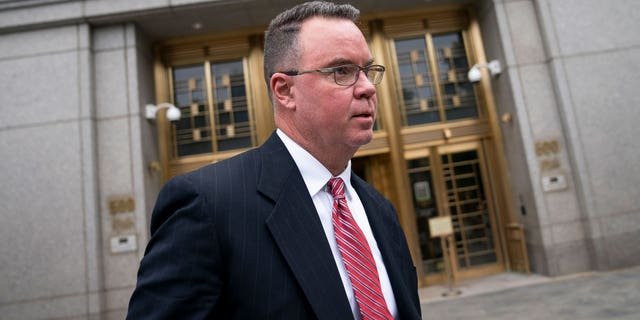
(327, 113)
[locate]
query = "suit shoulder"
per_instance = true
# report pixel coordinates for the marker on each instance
(245, 163)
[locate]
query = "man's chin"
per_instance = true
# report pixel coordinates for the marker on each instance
(363, 139)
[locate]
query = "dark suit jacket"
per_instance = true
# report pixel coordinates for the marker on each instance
(241, 239)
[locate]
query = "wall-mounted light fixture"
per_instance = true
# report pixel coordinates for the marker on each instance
(474, 74)
(173, 113)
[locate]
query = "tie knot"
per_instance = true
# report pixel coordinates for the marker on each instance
(336, 188)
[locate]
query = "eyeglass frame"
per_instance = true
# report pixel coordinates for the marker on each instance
(335, 69)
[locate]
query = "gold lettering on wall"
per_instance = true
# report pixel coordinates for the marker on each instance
(549, 164)
(121, 209)
(547, 147)
(120, 223)
(547, 152)
(121, 204)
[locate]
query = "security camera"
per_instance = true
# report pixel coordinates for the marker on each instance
(474, 75)
(173, 113)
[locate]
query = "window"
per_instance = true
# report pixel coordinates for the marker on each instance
(433, 79)
(215, 110)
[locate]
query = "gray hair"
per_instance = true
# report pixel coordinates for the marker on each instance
(281, 39)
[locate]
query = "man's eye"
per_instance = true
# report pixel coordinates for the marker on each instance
(344, 70)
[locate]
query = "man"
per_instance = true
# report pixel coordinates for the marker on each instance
(286, 231)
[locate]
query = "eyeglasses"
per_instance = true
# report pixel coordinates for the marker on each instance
(347, 75)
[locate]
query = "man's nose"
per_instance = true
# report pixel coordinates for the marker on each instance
(364, 88)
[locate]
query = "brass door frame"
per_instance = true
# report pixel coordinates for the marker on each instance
(436, 169)
(484, 130)
(496, 223)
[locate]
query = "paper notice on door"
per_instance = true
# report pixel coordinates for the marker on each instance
(440, 226)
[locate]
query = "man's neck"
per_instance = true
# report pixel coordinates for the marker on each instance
(331, 157)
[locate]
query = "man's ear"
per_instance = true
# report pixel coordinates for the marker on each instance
(281, 88)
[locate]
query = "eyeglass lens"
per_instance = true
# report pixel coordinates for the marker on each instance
(348, 75)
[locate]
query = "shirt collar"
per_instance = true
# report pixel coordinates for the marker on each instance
(314, 174)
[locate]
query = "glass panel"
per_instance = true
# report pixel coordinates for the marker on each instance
(231, 112)
(192, 131)
(234, 128)
(424, 203)
(419, 101)
(468, 208)
(458, 97)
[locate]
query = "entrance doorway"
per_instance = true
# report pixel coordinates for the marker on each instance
(452, 181)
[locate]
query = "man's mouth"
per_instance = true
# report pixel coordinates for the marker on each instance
(363, 115)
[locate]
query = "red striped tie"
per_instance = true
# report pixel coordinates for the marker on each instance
(357, 257)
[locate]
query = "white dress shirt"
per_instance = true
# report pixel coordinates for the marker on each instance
(316, 177)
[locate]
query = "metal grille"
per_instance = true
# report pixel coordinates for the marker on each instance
(215, 110)
(433, 79)
(192, 133)
(468, 209)
(459, 178)
(231, 110)
(419, 101)
(458, 98)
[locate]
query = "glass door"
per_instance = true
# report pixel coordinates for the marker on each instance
(451, 181)
(424, 202)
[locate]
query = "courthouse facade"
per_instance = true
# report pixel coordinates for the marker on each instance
(511, 120)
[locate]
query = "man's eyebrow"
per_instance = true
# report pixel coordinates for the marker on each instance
(341, 62)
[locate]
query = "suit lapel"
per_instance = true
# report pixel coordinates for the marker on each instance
(385, 229)
(297, 231)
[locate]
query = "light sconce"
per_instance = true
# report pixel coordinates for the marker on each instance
(173, 113)
(474, 74)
